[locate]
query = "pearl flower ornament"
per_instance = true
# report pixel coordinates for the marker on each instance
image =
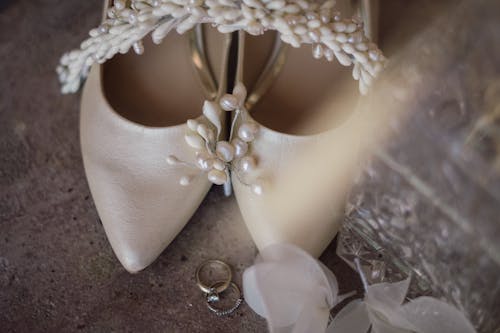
(217, 158)
(297, 21)
(212, 156)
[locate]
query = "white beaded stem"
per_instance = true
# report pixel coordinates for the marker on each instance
(298, 22)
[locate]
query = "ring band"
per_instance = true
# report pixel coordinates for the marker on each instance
(225, 312)
(218, 286)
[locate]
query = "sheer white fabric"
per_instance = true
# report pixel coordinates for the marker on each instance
(295, 293)
(383, 305)
(291, 289)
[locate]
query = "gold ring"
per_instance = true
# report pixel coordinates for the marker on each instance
(227, 311)
(212, 289)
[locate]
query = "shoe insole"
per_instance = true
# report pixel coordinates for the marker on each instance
(258, 49)
(308, 96)
(158, 88)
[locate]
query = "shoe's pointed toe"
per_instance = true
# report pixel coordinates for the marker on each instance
(311, 228)
(137, 194)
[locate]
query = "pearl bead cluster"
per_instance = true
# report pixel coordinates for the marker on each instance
(245, 166)
(217, 157)
(297, 21)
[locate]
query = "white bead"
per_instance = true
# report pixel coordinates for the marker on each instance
(126, 12)
(195, 141)
(119, 4)
(240, 147)
(360, 57)
(247, 131)
(103, 28)
(172, 160)
(138, 47)
(341, 37)
(314, 35)
(292, 39)
(291, 9)
(185, 180)
(204, 161)
(192, 124)
(132, 18)
(339, 26)
(317, 51)
(248, 164)
(217, 177)
(343, 58)
(219, 164)
(276, 4)
(356, 72)
(311, 16)
(255, 28)
(225, 151)
(348, 48)
(228, 102)
(290, 19)
(231, 15)
(355, 37)
(300, 30)
(257, 189)
(329, 54)
(212, 112)
(366, 77)
(204, 131)
(333, 45)
(351, 27)
(362, 47)
(314, 24)
(240, 92)
(111, 13)
(374, 55)
(325, 17)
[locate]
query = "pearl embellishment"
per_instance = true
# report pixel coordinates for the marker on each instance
(228, 102)
(219, 165)
(247, 131)
(172, 160)
(185, 180)
(192, 124)
(194, 141)
(248, 164)
(225, 151)
(240, 146)
(204, 161)
(217, 157)
(257, 189)
(297, 21)
(217, 177)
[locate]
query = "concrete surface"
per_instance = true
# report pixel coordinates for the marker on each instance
(57, 270)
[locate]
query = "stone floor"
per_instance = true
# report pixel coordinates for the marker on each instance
(57, 270)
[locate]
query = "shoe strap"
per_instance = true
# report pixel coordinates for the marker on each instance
(368, 11)
(270, 72)
(200, 62)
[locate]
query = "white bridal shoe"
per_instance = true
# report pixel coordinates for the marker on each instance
(277, 129)
(133, 115)
(151, 151)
